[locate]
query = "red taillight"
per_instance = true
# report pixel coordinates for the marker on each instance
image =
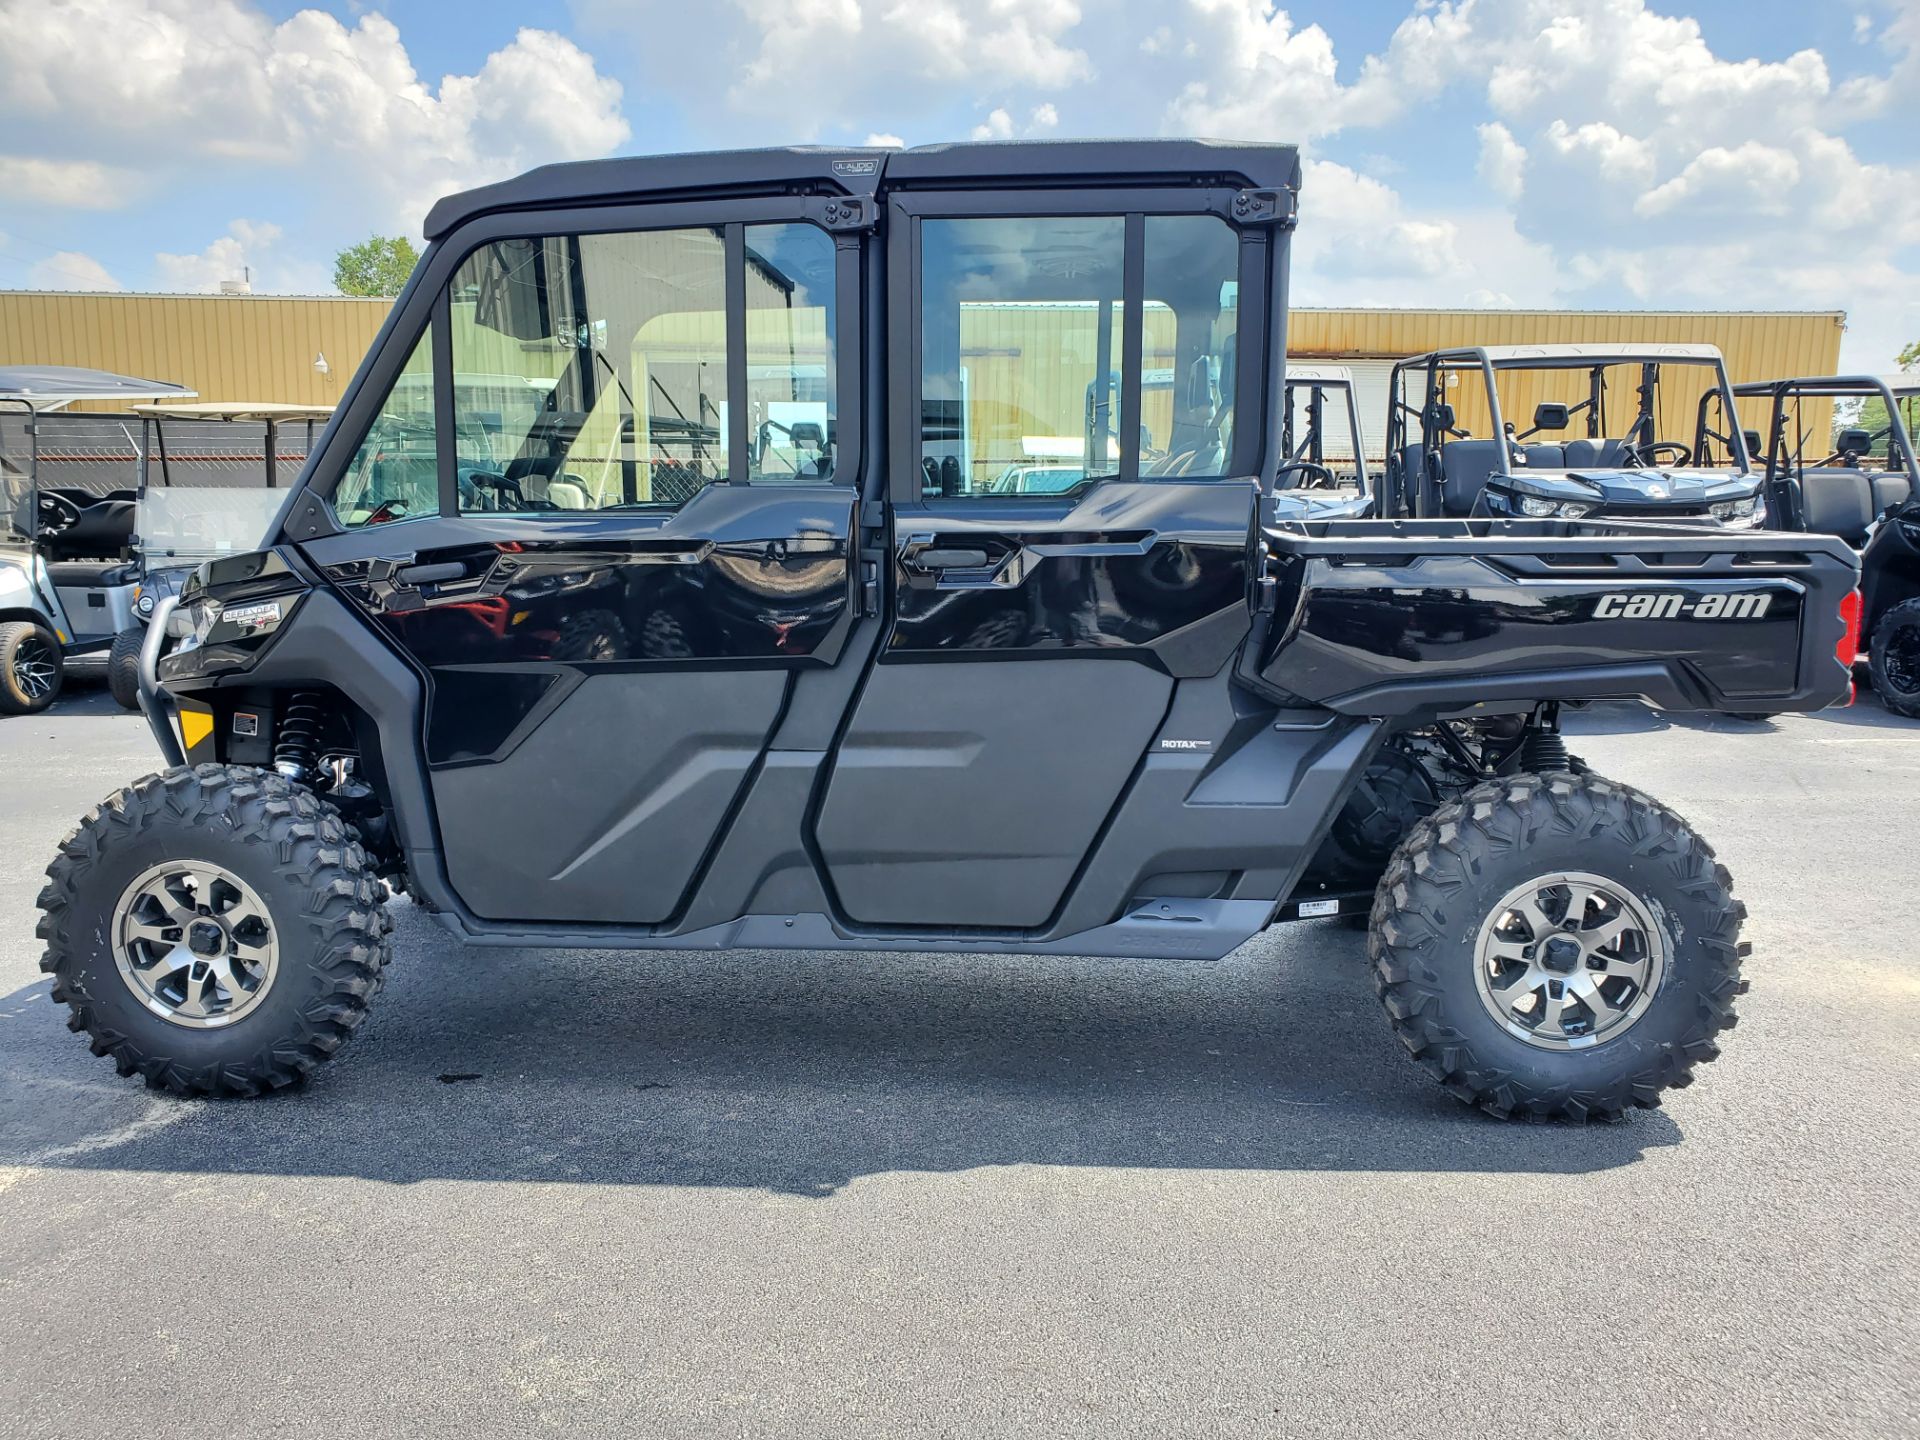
(1848, 650)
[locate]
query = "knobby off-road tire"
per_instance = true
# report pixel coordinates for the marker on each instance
(1445, 902)
(31, 668)
(254, 844)
(123, 666)
(1893, 660)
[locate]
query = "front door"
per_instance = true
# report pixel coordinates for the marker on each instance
(1067, 539)
(604, 512)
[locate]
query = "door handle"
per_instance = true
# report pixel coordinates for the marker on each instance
(430, 574)
(949, 559)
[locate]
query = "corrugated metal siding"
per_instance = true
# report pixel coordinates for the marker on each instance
(262, 347)
(1757, 345)
(227, 347)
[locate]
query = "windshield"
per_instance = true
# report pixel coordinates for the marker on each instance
(1594, 415)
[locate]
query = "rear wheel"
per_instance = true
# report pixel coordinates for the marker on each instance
(1894, 658)
(123, 666)
(1557, 946)
(30, 668)
(215, 930)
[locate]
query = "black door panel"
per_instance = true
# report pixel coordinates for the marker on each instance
(968, 794)
(1126, 566)
(615, 797)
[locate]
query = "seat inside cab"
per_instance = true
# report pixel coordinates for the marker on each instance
(1843, 497)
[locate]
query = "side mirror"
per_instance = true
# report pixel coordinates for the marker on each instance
(1439, 417)
(1550, 416)
(807, 432)
(1853, 441)
(1756, 447)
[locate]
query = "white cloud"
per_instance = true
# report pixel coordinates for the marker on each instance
(1749, 180)
(1045, 117)
(1503, 161)
(198, 80)
(66, 184)
(884, 53)
(70, 270)
(230, 257)
(891, 142)
(997, 126)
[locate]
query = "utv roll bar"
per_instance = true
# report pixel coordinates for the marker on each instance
(1893, 391)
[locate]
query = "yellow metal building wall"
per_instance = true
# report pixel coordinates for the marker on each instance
(262, 347)
(227, 347)
(1757, 345)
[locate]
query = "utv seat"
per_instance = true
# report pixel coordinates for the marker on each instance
(105, 528)
(1890, 490)
(1596, 454)
(91, 574)
(1837, 501)
(1545, 457)
(1466, 466)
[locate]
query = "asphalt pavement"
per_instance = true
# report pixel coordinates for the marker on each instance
(905, 1195)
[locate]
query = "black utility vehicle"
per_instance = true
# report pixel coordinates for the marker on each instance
(725, 636)
(1858, 481)
(1599, 444)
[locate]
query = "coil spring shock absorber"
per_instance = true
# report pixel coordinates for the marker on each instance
(1544, 748)
(296, 747)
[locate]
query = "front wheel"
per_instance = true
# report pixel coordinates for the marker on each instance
(215, 930)
(1894, 658)
(1557, 946)
(30, 668)
(123, 666)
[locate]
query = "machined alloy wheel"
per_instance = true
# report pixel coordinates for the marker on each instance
(194, 943)
(35, 668)
(1569, 960)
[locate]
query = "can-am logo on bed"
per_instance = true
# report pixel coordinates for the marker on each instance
(1670, 605)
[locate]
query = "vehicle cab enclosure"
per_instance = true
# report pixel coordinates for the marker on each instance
(1534, 431)
(674, 571)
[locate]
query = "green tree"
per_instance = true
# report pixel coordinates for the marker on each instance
(1909, 357)
(378, 265)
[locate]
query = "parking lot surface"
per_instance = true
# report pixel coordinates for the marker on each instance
(880, 1194)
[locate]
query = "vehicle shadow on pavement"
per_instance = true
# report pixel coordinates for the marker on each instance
(798, 1073)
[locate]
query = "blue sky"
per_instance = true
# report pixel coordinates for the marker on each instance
(1609, 153)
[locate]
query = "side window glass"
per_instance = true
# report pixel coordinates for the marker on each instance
(394, 475)
(790, 354)
(590, 371)
(1189, 325)
(1020, 354)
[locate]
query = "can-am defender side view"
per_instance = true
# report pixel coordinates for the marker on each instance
(1599, 444)
(68, 582)
(1857, 481)
(708, 627)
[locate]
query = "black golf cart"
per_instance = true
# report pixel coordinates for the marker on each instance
(210, 478)
(1856, 479)
(1599, 443)
(912, 710)
(67, 497)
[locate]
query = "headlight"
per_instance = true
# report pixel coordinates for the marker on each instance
(1735, 510)
(1534, 505)
(200, 616)
(1574, 509)
(143, 602)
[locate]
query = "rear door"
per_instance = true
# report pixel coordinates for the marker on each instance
(602, 509)
(1076, 415)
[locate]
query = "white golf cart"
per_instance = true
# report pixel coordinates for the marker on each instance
(68, 482)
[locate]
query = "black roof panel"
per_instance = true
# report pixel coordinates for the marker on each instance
(861, 170)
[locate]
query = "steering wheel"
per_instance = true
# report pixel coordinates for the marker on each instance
(64, 513)
(1309, 476)
(501, 486)
(1649, 454)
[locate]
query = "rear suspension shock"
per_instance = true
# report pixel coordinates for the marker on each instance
(296, 746)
